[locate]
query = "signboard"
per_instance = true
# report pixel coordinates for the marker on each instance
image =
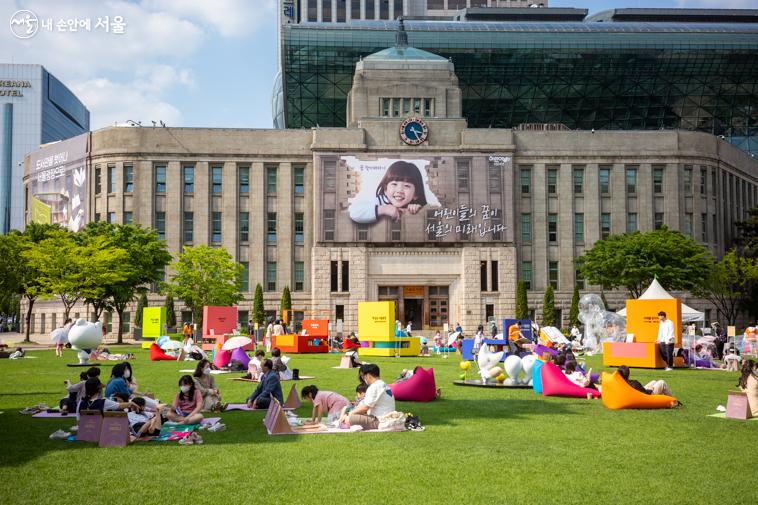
(153, 321)
(58, 183)
(376, 320)
(413, 291)
(219, 320)
(414, 198)
(642, 318)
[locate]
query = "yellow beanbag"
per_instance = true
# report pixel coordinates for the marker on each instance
(618, 394)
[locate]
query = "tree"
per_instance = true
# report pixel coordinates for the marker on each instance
(286, 304)
(205, 276)
(522, 306)
(574, 311)
(170, 311)
(606, 306)
(548, 307)
(633, 260)
(730, 283)
(141, 304)
(259, 314)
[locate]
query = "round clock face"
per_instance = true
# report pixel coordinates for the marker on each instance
(414, 131)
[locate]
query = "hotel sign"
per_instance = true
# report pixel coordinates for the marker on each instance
(15, 85)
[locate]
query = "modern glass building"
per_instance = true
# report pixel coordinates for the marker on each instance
(629, 69)
(36, 109)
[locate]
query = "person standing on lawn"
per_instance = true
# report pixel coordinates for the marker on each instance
(666, 339)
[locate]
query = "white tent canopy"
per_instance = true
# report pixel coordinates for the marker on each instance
(656, 292)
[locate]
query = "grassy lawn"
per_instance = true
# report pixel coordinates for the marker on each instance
(480, 446)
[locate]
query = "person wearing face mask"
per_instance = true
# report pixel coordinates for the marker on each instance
(119, 381)
(206, 384)
(93, 400)
(143, 423)
(188, 404)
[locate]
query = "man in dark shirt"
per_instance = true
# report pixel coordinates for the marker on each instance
(269, 386)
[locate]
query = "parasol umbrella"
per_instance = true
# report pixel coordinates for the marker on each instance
(59, 336)
(171, 345)
(452, 338)
(236, 342)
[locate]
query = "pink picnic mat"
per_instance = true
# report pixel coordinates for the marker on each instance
(243, 406)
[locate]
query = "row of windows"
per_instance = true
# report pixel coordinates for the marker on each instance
(400, 107)
(216, 226)
(552, 275)
(111, 178)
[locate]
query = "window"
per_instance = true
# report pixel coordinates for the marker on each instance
(299, 227)
(330, 175)
(494, 276)
(244, 180)
(244, 226)
(333, 275)
(216, 227)
(160, 178)
(299, 180)
(328, 224)
(126, 322)
(326, 10)
(428, 107)
(271, 276)
(362, 231)
(245, 277)
(396, 229)
(462, 171)
(97, 179)
(579, 228)
(526, 273)
(703, 177)
(339, 312)
(631, 222)
(658, 220)
(160, 225)
(271, 227)
(604, 176)
(386, 105)
(188, 227)
(42, 323)
(687, 179)
(111, 178)
(526, 228)
(552, 181)
(271, 180)
(605, 225)
(108, 321)
(483, 275)
(345, 276)
(552, 228)
(97, 217)
(631, 180)
(579, 279)
(112, 217)
(704, 227)
(713, 181)
(299, 275)
(188, 173)
(552, 273)
(128, 218)
(657, 179)
(216, 180)
(495, 175)
(715, 230)
(578, 180)
(526, 180)
(688, 224)
(128, 179)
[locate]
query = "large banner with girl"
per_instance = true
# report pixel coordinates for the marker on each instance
(444, 198)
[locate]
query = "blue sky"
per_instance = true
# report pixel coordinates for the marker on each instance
(186, 62)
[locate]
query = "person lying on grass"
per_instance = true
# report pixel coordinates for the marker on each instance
(94, 401)
(324, 402)
(268, 386)
(143, 423)
(188, 404)
(577, 376)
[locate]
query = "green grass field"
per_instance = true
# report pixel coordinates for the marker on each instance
(480, 446)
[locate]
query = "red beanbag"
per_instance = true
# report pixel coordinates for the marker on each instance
(421, 387)
(157, 354)
(555, 383)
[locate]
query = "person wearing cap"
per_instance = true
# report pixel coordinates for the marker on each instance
(666, 339)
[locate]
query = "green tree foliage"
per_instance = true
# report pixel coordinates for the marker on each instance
(730, 284)
(522, 305)
(259, 314)
(205, 276)
(548, 307)
(574, 311)
(141, 304)
(286, 304)
(633, 260)
(170, 310)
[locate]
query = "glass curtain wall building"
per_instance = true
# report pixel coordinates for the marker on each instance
(659, 69)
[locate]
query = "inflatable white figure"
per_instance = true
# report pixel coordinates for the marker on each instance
(527, 363)
(513, 368)
(488, 362)
(85, 336)
(600, 325)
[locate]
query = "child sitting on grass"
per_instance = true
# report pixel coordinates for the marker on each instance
(360, 394)
(324, 402)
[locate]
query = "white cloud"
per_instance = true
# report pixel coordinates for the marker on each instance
(231, 18)
(717, 4)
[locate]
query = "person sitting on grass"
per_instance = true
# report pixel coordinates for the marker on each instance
(206, 384)
(577, 376)
(360, 395)
(279, 366)
(377, 403)
(269, 386)
(76, 391)
(188, 404)
(324, 402)
(254, 371)
(748, 383)
(654, 387)
(94, 401)
(120, 373)
(143, 423)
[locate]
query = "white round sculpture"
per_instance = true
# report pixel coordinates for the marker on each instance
(527, 363)
(488, 362)
(84, 336)
(513, 368)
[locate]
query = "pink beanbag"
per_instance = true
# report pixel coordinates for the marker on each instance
(240, 355)
(554, 383)
(157, 354)
(221, 358)
(421, 387)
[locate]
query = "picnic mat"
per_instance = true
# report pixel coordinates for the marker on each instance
(722, 415)
(58, 415)
(94, 363)
(213, 372)
(302, 377)
(243, 406)
(298, 428)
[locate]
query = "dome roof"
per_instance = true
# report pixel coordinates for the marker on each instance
(403, 54)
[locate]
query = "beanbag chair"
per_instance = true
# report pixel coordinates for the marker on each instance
(349, 344)
(537, 376)
(221, 358)
(421, 387)
(618, 394)
(555, 383)
(240, 355)
(157, 354)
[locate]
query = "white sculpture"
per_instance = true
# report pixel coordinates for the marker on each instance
(600, 325)
(85, 336)
(513, 368)
(488, 362)
(527, 364)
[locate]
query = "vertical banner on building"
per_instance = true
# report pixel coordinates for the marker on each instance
(58, 183)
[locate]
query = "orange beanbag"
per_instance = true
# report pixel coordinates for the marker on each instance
(618, 394)
(157, 354)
